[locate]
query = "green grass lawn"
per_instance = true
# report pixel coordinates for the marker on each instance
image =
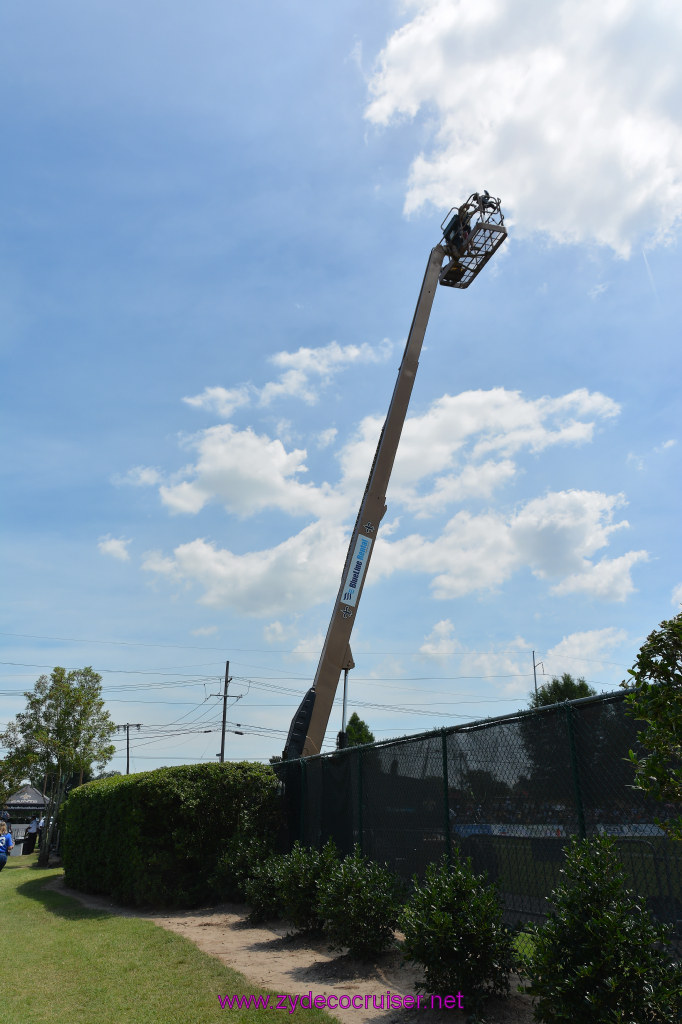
(66, 963)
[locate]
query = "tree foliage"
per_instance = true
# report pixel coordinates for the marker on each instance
(360, 902)
(453, 928)
(600, 958)
(657, 700)
(559, 689)
(358, 731)
(546, 739)
(64, 731)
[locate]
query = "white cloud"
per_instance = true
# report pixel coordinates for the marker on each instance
(640, 461)
(608, 580)
(274, 632)
(298, 573)
(326, 437)
(570, 111)
(463, 447)
(444, 456)
(581, 654)
(509, 671)
(304, 373)
(554, 537)
(116, 547)
(139, 476)
(222, 401)
(467, 428)
(441, 640)
(676, 596)
(309, 648)
(307, 368)
(205, 631)
(248, 473)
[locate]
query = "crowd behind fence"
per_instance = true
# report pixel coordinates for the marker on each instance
(508, 792)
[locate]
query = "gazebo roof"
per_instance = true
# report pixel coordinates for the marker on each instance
(26, 798)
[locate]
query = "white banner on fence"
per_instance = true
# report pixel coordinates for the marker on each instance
(638, 829)
(549, 831)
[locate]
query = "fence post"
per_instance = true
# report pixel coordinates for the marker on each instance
(301, 817)
(574, 771)
(446, 796)
(360, 802)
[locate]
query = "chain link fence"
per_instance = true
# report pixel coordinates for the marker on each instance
(508, 792)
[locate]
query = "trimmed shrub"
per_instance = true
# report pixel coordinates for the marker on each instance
(359, 903)
(237, 864)
(304, 872)
(156, 837)
(600, 958)
(453, 928)
(264, 889)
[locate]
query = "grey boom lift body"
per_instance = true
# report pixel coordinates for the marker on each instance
(471, 234)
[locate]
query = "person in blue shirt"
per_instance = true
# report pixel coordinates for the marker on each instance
(6, 844)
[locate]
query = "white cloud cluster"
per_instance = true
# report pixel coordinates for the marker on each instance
(304, 373)
(139, 476)
(297, 573)
(460, 448)
(441, 641)
(586, 654)
(477, 424)
(570, 111)
(463, 447)
(583, 654)
(115, 547)
(554, 536)
(246, 472)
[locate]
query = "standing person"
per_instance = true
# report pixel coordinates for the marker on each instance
(4, 816)
(6, 844)
(31, 836)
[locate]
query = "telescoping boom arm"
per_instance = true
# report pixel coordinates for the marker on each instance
(471, 234)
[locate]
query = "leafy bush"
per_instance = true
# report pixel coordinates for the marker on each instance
(156, 837)
(599, 958)
(360, 903)
(243, 853)
(304, 872)
(453, 927)
(264, 889)
(658, 702)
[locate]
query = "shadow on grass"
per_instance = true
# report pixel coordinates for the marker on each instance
(61, 905)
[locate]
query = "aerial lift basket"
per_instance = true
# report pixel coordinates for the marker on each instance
(472, 232)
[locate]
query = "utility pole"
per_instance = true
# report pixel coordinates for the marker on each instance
(128, 726)
(222, 741)
(342, 739)
(536, 665)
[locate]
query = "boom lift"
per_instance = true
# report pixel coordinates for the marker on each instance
(471, 234)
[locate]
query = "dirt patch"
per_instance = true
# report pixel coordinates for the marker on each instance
(299, 964)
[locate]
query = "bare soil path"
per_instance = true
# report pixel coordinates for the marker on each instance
(299, 964)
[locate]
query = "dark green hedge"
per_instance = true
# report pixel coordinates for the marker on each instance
(155, 838)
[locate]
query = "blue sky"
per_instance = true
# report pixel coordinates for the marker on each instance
(215, 222)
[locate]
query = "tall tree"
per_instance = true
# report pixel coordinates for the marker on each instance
(657, 700)
(560, 689)
(357, 731)
(546, 741)
(65, 730)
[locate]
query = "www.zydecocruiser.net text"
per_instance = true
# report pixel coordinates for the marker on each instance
(386, 1001)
